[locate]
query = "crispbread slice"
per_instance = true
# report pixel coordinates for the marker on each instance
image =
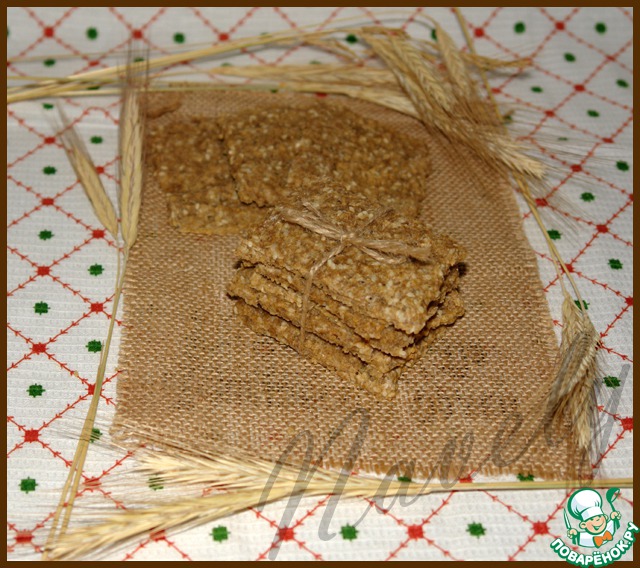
(343, 327)
(398, 293)
(188, 157)
(383, 385)
(201, 217)
(380, 333)
(260, 146)
(277, 149)
(189, 164)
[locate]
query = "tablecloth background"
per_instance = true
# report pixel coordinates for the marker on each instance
(61, 269)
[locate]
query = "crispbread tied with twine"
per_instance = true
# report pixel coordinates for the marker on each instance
(431, 82)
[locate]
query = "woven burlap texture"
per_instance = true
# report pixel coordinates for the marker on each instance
(192, 373)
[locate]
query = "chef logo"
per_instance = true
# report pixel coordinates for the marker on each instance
(595, 529)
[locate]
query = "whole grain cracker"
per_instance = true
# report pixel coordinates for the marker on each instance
(378, 332)
(397, 293)
(330, 330)
(187, 159)
(348, 367)
(257, 290)
(276, 149)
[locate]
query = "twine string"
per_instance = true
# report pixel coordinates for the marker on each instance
(385, 251)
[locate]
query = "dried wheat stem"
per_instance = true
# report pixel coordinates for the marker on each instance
(245, 482)
(573, 389)
(111, 74)
(79, 81)
(131, 129)
(70, 489)
(90, 181)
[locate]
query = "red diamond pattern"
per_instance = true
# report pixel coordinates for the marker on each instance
(578, 87)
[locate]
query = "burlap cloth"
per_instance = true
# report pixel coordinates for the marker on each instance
(475, 402)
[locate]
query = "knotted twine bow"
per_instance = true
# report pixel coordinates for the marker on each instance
(386, 251)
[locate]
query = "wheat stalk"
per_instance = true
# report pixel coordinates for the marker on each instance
(90, 181)
(241, 482)
(66, 85)
(449, 104)
(319, 73)
(130, 197)
(573, 389)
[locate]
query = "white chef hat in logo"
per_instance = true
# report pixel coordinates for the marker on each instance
(585, 503)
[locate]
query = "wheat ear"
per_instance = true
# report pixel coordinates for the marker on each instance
(132, 127)
(131, 179)
(240, 482)
(82, 164)
(572, 393)
(90, 181)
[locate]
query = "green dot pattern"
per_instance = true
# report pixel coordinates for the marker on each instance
(570, 57)
(611, 382)
(49, 170)
(96, 140)
(519, 27)
(92, 33)
(35, 390)
(94, 346)
(219, 534)
(96, 269)
(587, 196)
(476, 529)
(349, 532)
(554, 234)
(95, 435)
(178, 37)
(45, 235)
(585, 305)
(600, 27)
(41, 308)
(27, 485)
(615, 264)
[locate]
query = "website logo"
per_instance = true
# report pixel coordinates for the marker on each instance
(596, 530)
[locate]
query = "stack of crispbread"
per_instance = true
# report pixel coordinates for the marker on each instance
(367, 312)
(226, 175)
